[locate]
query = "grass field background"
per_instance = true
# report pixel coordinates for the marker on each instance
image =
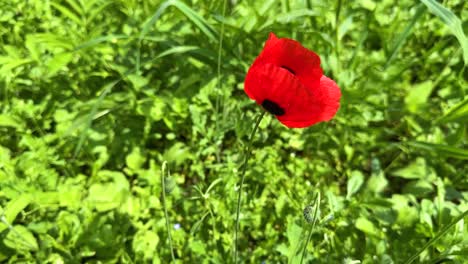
(97, 95)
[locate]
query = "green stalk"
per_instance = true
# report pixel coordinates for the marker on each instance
(247, 154)
(166, 216)
(337, 37)
(218, 70)
(314, 220)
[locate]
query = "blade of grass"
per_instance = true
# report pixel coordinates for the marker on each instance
(66, 12)
(458, 113)
(452, 21)
(441, 149)
(198, 20)
(437, 237)
(405, 34)
(218, 70)
(337, 36)
(193, 16)
(98, 40)
(91, 115)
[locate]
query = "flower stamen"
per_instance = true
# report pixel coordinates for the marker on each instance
(288, 69)
(272, 107)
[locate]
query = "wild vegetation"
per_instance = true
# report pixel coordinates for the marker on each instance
(102, 99)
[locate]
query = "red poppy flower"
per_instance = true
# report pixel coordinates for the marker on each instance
(287, 81)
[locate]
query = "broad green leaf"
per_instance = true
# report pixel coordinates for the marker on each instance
(111, 194)
(138, 81)
(417, 96)
(9, 64)
(415, 170)
(55, 41)
(367, 227)
(146, 243)
(178, 153)
(377, 183)
(14, 207)
(354, 183)
(452, 21)
(135, 159)
(418, 188)
(9, 121)
(345, 27)
(58, 62)
(21, 239)
(443, 150)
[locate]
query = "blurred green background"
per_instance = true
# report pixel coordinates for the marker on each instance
(97, 94)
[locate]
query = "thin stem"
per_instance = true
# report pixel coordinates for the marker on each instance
(166, 216)
(218, 68)
(337, 37)
(314, 220)
(437, 237)
(247, 154)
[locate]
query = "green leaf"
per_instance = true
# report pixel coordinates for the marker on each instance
(145, 242)
(99, 40)
(68, 13)
(58, 62)
(137, 81)
(452, 21)
(9, 121)
(441, 149)
(111, 194)
(193, 16)
(367, 227)
(135, 159)
(405, 34)
(21, 239)
(418, 188)
(354, 183)
(416, 170)
(178, 153)
(14, 207)
(417, 96)
(458, 113)
(377, 183)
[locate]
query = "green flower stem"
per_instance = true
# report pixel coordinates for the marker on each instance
(247, 154)
(314, 220)
(168, 225)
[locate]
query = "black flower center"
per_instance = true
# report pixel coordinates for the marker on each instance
(288, 69)
(272, 107)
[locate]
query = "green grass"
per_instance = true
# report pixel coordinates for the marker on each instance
(100, 100)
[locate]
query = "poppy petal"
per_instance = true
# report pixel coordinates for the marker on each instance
(291, 55)
(268, 82)
(312, 107)
(287, 81)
